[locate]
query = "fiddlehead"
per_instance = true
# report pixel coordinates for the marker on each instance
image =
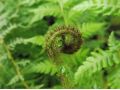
(63, 39)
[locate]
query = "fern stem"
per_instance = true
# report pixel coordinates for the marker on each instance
(66, 78)
(65, 81)
(62, 12)
(105, 79)
(15, 65)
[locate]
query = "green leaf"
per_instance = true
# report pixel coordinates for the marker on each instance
(45, 10)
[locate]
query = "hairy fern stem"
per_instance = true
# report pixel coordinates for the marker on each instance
(64, 39)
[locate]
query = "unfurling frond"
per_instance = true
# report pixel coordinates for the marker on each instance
(63, 40)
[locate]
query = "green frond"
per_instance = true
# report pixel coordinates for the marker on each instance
(108, 7)
(91, 10)
(112, 42)
(30, 2)
(8, 30)
(14, 80)
(3, 16)
(99, 60)
(96, 63)
(44, 10)
(114, 78)
(45, 67)
(90, 29)
(37, 40)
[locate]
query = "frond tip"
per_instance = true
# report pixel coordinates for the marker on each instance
(64, 39)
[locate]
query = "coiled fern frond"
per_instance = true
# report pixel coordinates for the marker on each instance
(63, 39)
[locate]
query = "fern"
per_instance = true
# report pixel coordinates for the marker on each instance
(107, 7)
(97, 62)
(114, 78)
(14, 80)
(44, 10)
(45, 67)
(91, 10)
(8, 30)
(34, 40)
(88, 57)
(90, 29)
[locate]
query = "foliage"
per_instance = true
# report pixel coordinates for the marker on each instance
(24, 62)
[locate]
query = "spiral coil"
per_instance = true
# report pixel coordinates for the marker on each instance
(63, 39)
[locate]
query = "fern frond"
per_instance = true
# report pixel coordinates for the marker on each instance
(90, 29)
(44, 10)
(112, 42)
(96, 62)
(45, 67)
(108, 7)
(14, 80)
(91, 10)
(16, 42)
(8, 30)
(3, 15)
(30, 2)
(114, 78)
(37, 40)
